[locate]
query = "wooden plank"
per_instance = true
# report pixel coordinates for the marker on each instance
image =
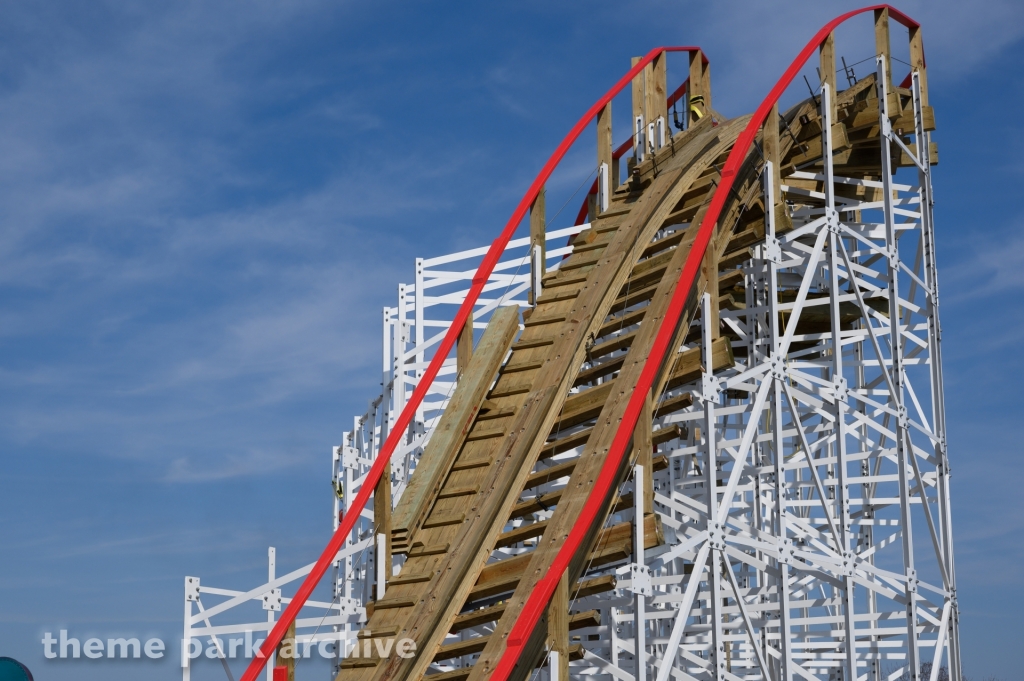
(604, 147)
(473, 463)
(699, 98)
(687, 366)
(464, 346)
(558, 626)
(882, 47)
(643, 442)
(442, 520)
(286, 653)
(709, 270)
(538, 227)
(455, 423)
(639, 100)
(485, 433)
(917, 62)
(411, 578)
(391, 603)
(449, 493)
(658, 92)
(428, 550)
(382, 529)
(827, 56)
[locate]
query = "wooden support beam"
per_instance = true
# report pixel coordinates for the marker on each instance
(700, 95)
(639, 104)
(917, 62)
(538, 228)
(709, 270)
(882, 43)
(287, 652)
(660, 88)
(382, 521)
(655, 87)
(705, 68)
(604, 145)
(464, 347)
(643, 442)
(770, 138)
(454, 425)
(827, 54)
(558, 627)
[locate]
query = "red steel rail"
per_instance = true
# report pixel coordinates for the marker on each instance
(447, 343)
(540, 596)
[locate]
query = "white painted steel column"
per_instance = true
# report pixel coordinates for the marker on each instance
(896, 375)
(716, 530)
(772, 257)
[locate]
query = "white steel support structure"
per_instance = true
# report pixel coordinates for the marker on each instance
(805, 501)
(411, 330)
(809, 495)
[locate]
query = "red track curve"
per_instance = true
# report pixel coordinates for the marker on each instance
(447, 343)
(541, 593)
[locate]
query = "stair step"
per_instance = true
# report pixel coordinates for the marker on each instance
(540, 320)
(522, 366)
(485, 434)
(535, 343)
(428, 550)
(411, 578)
(458, 492)
(467, 464)
(442, 520)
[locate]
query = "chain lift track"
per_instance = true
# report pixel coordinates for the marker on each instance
(703, 440)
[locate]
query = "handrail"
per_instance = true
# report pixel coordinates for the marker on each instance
(540, 595)
(405, 418)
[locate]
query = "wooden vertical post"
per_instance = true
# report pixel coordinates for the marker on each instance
(382, 521)
(538, 236)
(770, 139)
(917, 61)
(827, 54)
(637, 89)
(709, 269)
(604, 146)
(464, 346)
(639, 105)
(705, 70)
(644, 443)
(655, 90)
(882, 48)
(558, 626)
(698, 98)
(659, 88)
(287, 651)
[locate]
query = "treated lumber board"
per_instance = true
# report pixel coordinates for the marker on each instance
(558, 626)
(457, 419)
(687, 366)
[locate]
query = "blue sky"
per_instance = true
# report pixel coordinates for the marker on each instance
(203, 207)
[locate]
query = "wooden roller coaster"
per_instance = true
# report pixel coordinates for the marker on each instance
(699, 447)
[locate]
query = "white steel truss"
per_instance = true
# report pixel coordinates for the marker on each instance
(412, 330)
(805, 501)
